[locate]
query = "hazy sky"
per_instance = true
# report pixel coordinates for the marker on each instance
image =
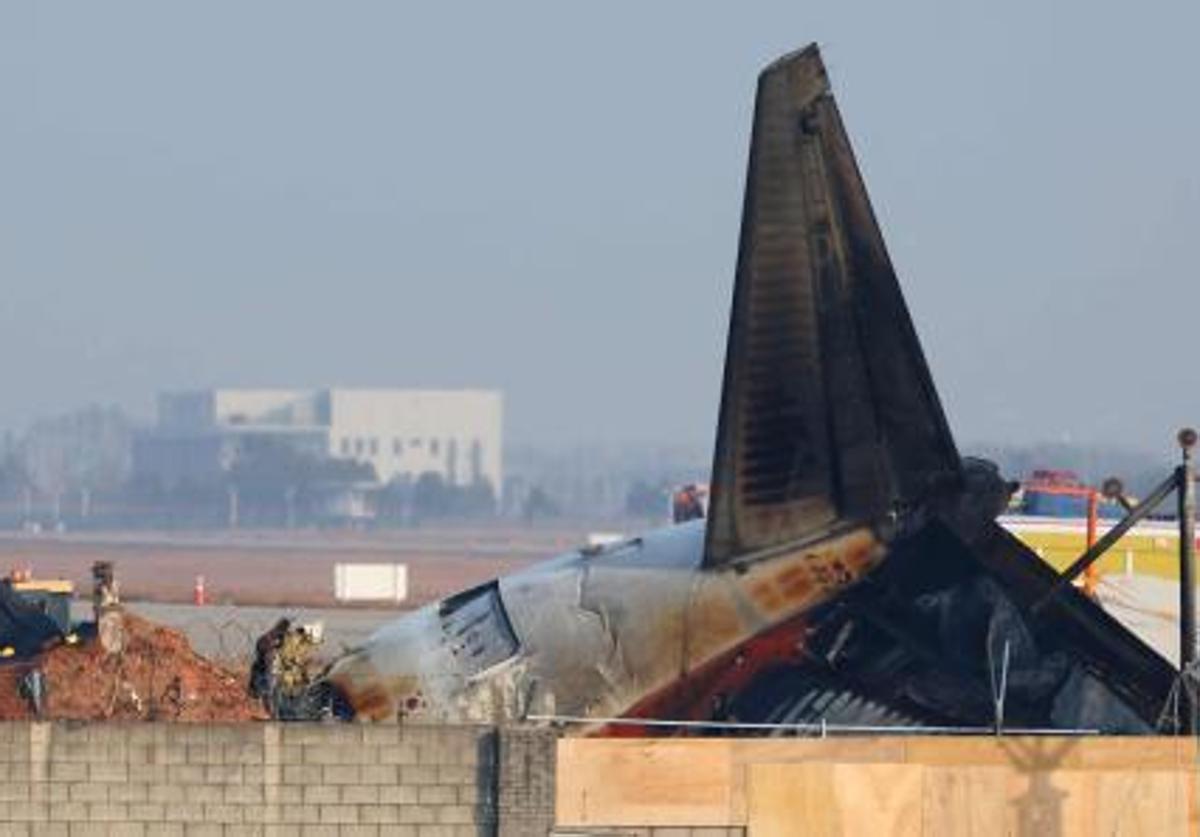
(543, 198)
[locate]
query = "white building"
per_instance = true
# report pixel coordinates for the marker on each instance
(401, 433)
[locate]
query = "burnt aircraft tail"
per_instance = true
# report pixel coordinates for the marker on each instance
(828, 412)
(830, 422)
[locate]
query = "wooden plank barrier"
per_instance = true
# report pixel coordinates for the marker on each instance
(883, 785)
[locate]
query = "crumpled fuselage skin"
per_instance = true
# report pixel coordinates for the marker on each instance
(591, 633)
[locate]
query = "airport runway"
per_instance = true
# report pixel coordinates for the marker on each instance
(281, 568)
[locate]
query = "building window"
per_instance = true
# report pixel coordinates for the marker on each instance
(345, 447)
(415, 442)
(374, 447)
(358, 446)
(397, 447)
(433, 446)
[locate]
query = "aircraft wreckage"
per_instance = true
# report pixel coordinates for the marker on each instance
(850, 571)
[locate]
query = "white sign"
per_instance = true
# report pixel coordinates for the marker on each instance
(370, 582)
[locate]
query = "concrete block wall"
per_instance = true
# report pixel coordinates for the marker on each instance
(260, 779)
(526, 770)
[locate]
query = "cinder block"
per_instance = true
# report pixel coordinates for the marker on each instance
(301, 774)
(320, 831)
(259, 815)
(140, 754)
(321, 795)
(244, 794)
(380, 735)
(89, 792)
(300, 813)
(108, 812)
(456, 774)
(204, 794)
(223, 774)
(418, 814)
(187, 734)
(164, 829)
(185, 774)
(148, 772)
(437, 752)
(108, 771)
(11, 751)
(339, 814)
(129, 792)
(204, 753)
(283, 754)
(147, 812)
(402, 753)
(359, 831)
(170, 754)
(185, 812)
(321, 754)
(49, 829)
(321, 735)
(68, 812)
(68, 772)
(223, 813)
(51, 792)
(360, 794)
(340, 774)
(456, 814)
(289, 794)
(436, 831)
(69, 752)
(23, 771)
(126, 829)
(243, 753)
(89, 829)
(167, 794)
(385, 814)
(141, 733)
(233, 733)
(437, 795)
(378, 774)
(14, 791)
(256, 774)
(204, 829)
(398, 794)
(418, 774)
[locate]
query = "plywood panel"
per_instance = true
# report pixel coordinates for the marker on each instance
(642, 783)
(748, 751)
(980, 786)
(856, 800)
(974, 798)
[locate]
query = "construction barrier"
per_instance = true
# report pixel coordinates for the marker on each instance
(882, 785)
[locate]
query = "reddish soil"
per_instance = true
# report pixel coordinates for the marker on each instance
(156, 676)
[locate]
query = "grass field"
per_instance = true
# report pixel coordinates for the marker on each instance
(1151, 549)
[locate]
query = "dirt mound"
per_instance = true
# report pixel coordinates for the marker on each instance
(156, 677)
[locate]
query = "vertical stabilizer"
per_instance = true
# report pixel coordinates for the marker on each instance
(828, 412)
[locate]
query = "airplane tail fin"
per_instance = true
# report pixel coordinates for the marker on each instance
(828, 411)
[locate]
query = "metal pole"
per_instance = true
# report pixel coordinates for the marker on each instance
(808, 728)
(1091, 575)
(1110, 537)
(1187, 569)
